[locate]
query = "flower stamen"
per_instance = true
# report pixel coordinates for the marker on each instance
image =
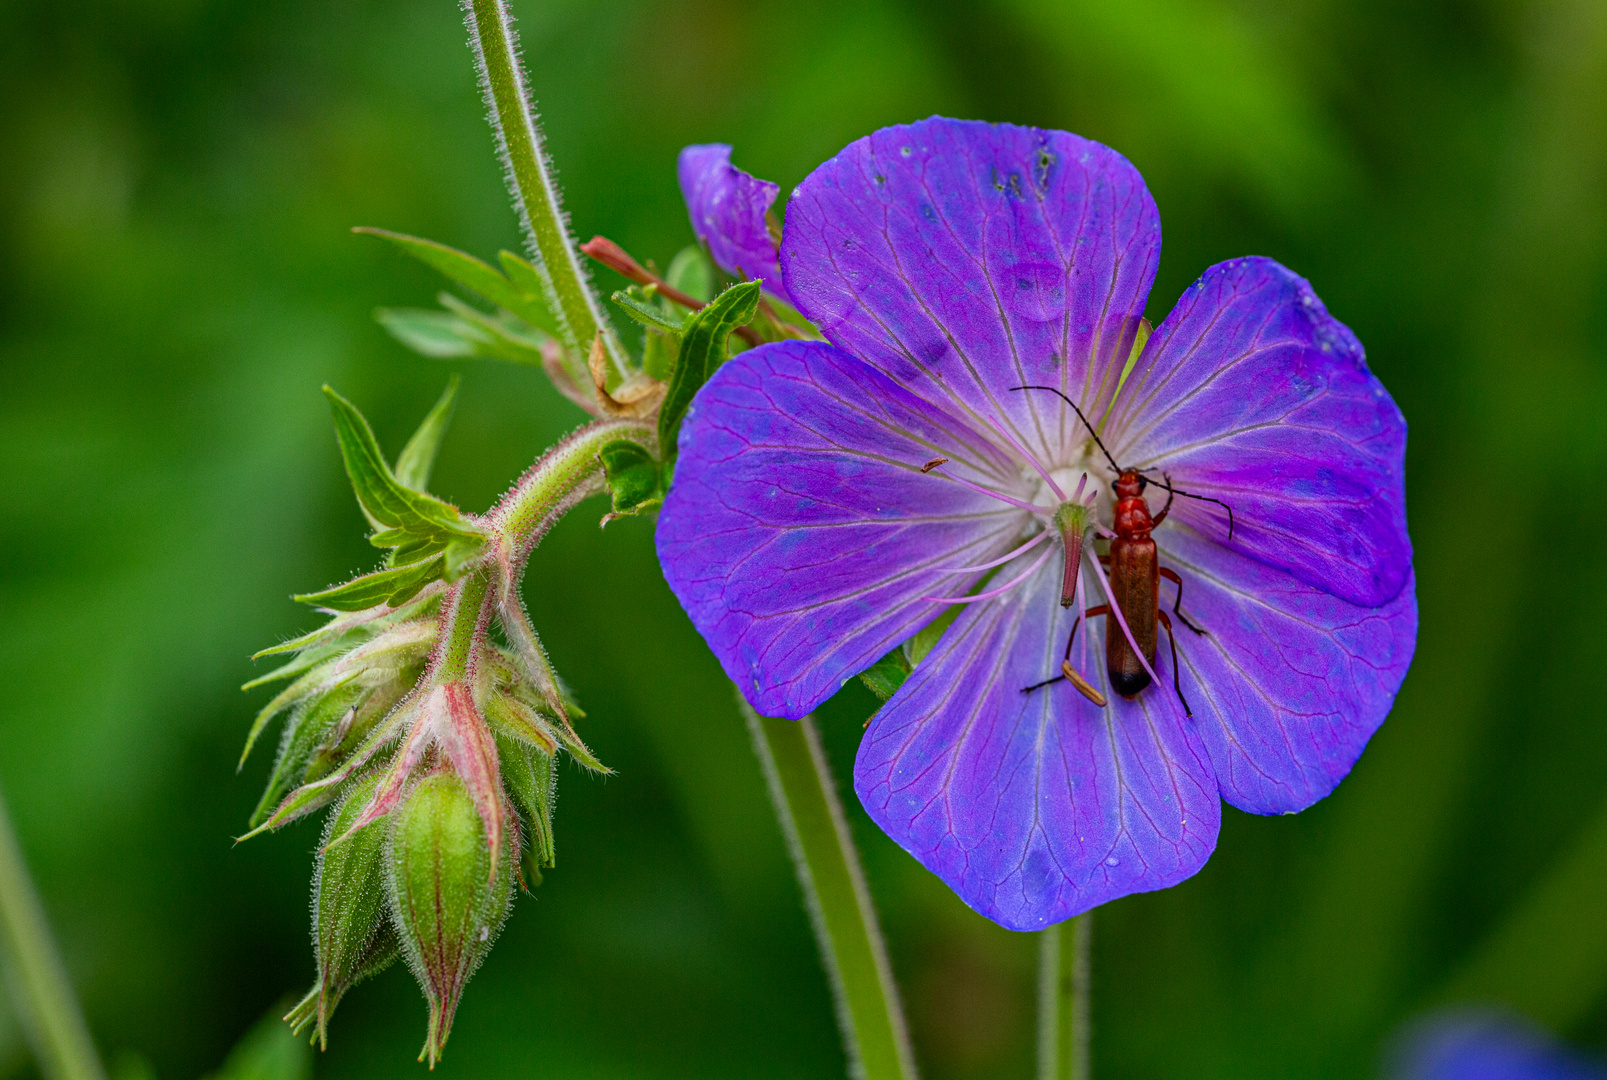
(1002, 559)
(991, 593)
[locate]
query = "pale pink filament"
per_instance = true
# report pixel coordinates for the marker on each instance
(1022, 450)
(991, 593)
(1002, 559)
(994, 494)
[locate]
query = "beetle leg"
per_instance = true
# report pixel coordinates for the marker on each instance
(1170, 495)
(1068, 672)
(1177, 681)
(1177, 608)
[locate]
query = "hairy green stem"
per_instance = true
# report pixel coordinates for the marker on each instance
(39, 988)
(463, 621)
(1064, 960)
(850, 940)
(563, 476)
(530, 180)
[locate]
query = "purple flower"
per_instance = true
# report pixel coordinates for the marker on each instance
(811, 526)
(728, 209)
(1487, 1046)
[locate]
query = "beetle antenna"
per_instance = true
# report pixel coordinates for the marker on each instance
(1115, 467)
(1167, 484)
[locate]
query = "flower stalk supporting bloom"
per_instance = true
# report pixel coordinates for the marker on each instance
(840, 909)
(1065, 964)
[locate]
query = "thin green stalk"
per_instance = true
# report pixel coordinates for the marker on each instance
(39, 988)
(1064, 959)
(850, 940)
(531, 180)
(563, 476)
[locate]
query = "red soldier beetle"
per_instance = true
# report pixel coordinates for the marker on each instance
(1134, 583)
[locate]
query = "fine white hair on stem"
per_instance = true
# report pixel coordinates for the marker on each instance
(532, 182)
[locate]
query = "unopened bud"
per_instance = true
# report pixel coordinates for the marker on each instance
(446, 904)
(352, 937)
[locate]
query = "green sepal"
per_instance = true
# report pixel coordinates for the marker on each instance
(316, 793)
(634, 478)
(392, 586)
(648, 314)
(305, 661)
(474, 275)
(352, 936)
(532, 778)
(513, 719)
(703, 348)
(886, 675)
(309, 727)
(417, 459)
(692, 273)
(276, 705)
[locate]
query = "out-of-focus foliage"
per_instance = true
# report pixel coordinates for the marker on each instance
(177, 181)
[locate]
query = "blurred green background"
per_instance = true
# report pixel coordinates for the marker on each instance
(177, 178)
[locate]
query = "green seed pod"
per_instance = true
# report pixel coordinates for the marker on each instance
(532, 781)
(352, 937)
(446, 906)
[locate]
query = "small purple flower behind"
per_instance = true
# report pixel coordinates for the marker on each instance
(1483, 1045)
(729, 211)
(831, 500)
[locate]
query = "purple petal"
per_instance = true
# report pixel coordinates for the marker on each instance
(1035, 807)
(1250, 392)
(728, 208)
(800, 533)
(1288, 682)
(1483, 1045)
(963, 259)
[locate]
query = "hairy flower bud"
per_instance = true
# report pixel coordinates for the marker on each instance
(445, 901)
(352, 938)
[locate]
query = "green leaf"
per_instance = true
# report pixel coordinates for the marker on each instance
(419, 524)
(418, 456)
(633, 476)
(703, 348)
(440, 335)
(886, 675)
(692, 273)
(395, 585)
(469, 272)
(527, 279)
(649, 315)
(269, 1051)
